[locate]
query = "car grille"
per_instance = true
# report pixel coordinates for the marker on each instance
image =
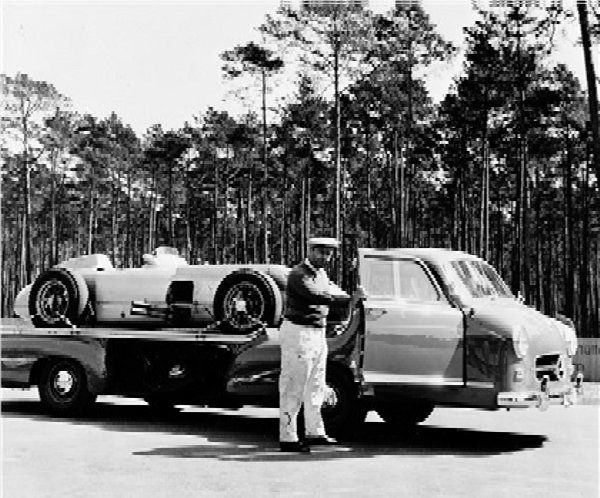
(552, 366)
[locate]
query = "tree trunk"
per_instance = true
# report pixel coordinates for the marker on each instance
(569, 248)
(591, 83)
(396, 223)
(265, 189)
(115, 231)
(128, 249)
(90, 237)
(26, 242)
(215, 213)
(337, 146)
(188, 221)
(170, 236)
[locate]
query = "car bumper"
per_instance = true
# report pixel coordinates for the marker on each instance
(543, 398)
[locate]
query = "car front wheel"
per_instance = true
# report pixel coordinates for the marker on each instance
(404, 414)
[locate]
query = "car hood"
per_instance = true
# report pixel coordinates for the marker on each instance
(504, 315)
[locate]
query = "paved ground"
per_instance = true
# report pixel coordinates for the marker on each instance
(125, 450)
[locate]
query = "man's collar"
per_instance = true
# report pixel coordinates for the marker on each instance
(310, 265)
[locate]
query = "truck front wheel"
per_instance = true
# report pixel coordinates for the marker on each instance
(63, 388)
(404, 414)
(342, 410)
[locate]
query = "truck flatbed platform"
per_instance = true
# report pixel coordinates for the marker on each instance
(208, 334)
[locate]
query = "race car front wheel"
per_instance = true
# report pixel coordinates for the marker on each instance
(246, 300)
(58, 298)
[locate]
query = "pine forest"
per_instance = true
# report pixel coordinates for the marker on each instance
(506, 166)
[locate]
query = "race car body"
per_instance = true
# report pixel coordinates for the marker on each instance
(165, 291)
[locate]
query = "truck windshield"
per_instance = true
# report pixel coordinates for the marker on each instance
(480, 279)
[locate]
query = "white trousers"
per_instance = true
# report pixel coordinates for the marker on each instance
(302, 379)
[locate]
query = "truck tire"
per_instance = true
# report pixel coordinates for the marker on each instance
(405, 414)
(58, 298)
(342, 410)
(64, 389)
(261, 297)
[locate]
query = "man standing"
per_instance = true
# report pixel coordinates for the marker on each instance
(304, 348)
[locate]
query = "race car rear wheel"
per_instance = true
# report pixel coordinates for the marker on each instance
(246, 300)
(63, 388)
(58, 298)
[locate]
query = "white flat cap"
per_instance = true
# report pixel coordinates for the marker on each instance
(323, 242)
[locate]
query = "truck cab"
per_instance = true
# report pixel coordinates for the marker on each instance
(441, 326)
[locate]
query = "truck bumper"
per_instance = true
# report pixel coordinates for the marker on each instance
(543, 398)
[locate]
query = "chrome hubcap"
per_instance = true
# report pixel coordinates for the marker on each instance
(243, 304)
(53, 300)
(64, 382)
(331, 398)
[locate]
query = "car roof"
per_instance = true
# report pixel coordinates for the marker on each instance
(430, 254)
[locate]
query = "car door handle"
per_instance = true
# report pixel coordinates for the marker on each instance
(376, 312)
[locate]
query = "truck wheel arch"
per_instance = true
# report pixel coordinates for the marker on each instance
(37, 369)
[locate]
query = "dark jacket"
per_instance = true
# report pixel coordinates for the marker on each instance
(307, 296)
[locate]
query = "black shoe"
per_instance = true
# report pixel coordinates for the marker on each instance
(294, 447)
(320, 441)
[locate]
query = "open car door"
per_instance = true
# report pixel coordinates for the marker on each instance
(412, 333)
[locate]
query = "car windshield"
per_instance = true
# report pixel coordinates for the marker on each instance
(166, 250)
(480, 279)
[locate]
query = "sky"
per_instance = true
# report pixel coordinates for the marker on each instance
(157, 61)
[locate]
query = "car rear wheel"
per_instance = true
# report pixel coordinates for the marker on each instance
(58, 298)
(404, 414)
(246, 300)
(64, 389)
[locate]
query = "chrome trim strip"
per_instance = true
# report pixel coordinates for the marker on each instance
(383, 378)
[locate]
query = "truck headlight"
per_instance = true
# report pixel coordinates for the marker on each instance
(520, 341)
(570, 337)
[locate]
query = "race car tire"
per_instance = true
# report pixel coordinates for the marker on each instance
(342, 410)
(262, 299)
(63, 388)
(58, 298)
(405, 414)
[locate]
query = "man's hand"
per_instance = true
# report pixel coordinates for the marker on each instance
(359, 293)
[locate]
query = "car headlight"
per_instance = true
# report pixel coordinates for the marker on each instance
(570, 337)
(520, 341)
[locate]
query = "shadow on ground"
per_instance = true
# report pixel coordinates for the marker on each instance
(235, 436)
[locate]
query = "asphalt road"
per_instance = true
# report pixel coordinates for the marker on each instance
(124, 449)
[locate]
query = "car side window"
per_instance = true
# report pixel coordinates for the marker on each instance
(415, 285)
(380, 280)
